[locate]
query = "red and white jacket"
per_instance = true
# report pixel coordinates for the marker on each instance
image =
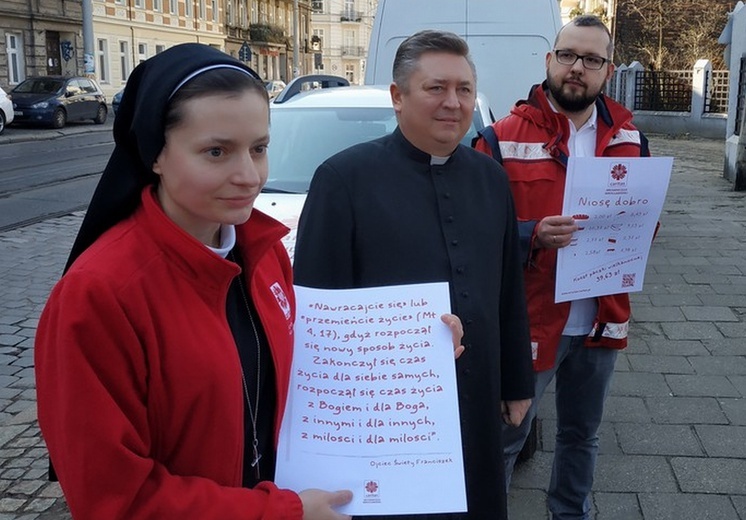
(533, 144)
(138, 376)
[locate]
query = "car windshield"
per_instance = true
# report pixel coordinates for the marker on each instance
(303, 138)
(39, 86)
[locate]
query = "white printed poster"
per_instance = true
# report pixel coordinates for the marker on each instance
(372, 401)
(616, 203)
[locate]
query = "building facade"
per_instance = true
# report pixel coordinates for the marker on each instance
(264, 32)
(341, 35)
(39, 37)
(45, 36)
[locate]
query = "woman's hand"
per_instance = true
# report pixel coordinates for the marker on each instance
(457, 332)
(319, 505)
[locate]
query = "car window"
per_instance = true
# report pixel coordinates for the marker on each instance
(39, 86)
(303, 138)
(87, 86)
(74, 87)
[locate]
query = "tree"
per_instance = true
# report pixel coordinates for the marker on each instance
(670, 34)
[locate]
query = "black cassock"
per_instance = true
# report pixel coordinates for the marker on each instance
(380, 214)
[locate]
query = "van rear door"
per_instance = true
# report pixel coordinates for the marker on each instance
(508, 39)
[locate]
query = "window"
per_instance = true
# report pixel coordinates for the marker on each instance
(214, 10)
(139, 3)
(157, 5)
(124, 59)
(102, 59)
(16, 65)
(174, 7)
(188, 8)
(349, 38)
(229, 12)
(142, 52)
(349, 10)
(317, 42)
(350, 73)
(254, 11)
(202, 13)
(159, 49)
(317, 6)
(86, 86)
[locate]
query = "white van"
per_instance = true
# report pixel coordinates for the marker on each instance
(508, 40)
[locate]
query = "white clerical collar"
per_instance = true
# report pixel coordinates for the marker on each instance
(227, 240)
(437, 160)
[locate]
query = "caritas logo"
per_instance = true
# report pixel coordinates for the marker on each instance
(618, 175)
(372, 495)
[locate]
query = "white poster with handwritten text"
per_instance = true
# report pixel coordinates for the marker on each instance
(616, 203)
(372, 402)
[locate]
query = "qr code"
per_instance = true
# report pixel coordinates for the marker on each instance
(628, 280)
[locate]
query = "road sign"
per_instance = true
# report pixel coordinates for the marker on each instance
(244, 53)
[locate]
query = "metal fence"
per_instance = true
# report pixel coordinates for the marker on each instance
(716, 97)
(664, 91)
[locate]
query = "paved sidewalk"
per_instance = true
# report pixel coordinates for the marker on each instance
(21, 134)
(673, 446)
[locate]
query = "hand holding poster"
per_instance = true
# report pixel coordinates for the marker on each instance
(372, 403)
(616, 203)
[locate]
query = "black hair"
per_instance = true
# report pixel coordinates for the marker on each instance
(589, 20)
(411, 50)
(216, 81)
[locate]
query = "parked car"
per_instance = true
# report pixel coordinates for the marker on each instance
(6, 110)
(55, 100)
(308, 126)
(274, 87)
(116, 100)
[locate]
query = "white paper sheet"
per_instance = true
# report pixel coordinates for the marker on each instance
(616, 203)
(372, 404)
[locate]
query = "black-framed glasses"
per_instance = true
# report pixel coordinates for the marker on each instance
(590, 61)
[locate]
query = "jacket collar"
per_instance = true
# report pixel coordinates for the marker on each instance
(611, 118)
(184, 252)
(610, 113)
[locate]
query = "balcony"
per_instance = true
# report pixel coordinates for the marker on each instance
(267, 33)
(349, 15)
(353, 51)
(240, 33)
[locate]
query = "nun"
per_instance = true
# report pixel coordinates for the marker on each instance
(163, 353)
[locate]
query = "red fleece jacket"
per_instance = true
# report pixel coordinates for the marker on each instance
(138, 376)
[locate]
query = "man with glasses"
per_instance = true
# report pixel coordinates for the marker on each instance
(576, 342)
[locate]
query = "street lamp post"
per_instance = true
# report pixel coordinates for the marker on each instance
(296, 40)
(88, 59)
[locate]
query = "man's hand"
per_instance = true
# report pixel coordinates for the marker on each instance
(319, 505)
(555, 232)
(515, 411)
(457, 332)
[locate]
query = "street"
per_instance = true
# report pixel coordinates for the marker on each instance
(673, 444)
(45, 172)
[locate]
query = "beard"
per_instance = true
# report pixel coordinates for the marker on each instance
(570, 102)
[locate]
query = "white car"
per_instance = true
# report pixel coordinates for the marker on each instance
(309, 126)
(6, 110)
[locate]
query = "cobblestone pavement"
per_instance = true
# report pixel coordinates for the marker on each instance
(673, 445)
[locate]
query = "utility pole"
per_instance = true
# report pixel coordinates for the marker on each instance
(296, 40)
(89, 62)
